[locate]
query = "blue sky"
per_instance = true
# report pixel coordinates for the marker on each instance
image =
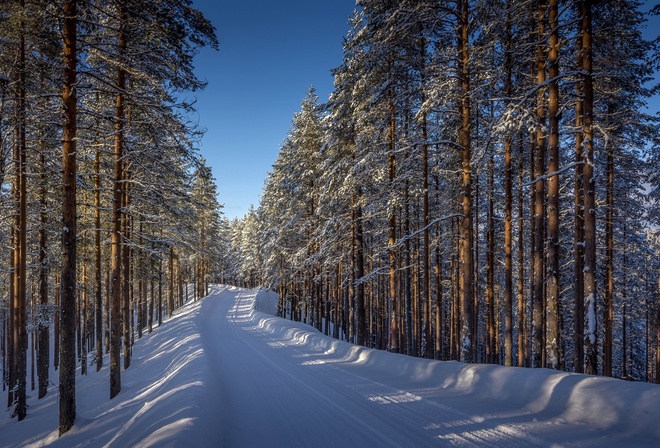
(271, 52)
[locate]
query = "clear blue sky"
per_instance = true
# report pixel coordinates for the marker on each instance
(271, 52)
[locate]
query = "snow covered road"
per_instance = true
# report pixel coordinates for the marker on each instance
(225, 372)
(282, 383)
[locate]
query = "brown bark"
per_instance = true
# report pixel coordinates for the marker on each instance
(552, 307)
(98, 282)
(588, 181)
(116, 246)
(393, 305)
(538, 191)
(67, 398)
(43, 351)
(578, 239)
(609, 274)
(521, 263)
(468, 331)
(491, 351)
(508, 206)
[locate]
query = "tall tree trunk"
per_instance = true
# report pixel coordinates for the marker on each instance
(522, 339)
(391, 225)
(609, 275)
(508, 189)
(98, 282)
(126, 254)
(468, 333)
(538, 188)
(578, 238)
(588, 181)
(67, 399)
(426, 255)
(116, 246)
(359, 269)
(43, 351)
(490, 262)
(20, 339)
(552, 337)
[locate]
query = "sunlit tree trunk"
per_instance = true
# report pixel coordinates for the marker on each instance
(552, 309)
(98, 282)
(468, 331)
(538, 189)
(588, 182)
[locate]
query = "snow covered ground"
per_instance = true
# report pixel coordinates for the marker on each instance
(225, 372)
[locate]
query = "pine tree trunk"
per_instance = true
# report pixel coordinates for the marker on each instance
(43, 329)
(508, 206)
(578, 238)
(588, 181)
(609, 275)
(538, 188)
(393, 305)
(126, 254)
(552, 319)
(20, 338)
(98, 279)
(468, 331)
(522, 339)
(67, 398)
(118, 200)
(358, 242)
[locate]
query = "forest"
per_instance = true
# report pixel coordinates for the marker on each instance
(482, 185)
(108, 212)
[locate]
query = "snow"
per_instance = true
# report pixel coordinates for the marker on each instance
(224, 371)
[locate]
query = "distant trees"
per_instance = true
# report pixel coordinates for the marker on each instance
(104, 80)
(473, 191)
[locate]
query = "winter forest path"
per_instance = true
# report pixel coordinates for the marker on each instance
(225, 372)
(281, 383)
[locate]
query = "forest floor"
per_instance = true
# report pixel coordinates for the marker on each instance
(225, 372)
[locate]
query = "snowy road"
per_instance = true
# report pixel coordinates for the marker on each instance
(281, 383)
(218, 373)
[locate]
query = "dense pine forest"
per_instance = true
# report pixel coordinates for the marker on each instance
(481, 186)
(108, 214)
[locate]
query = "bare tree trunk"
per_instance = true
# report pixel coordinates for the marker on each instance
(126, 254)
(468, 331)
(578, 239)
(391, 225)
(359, 269)
(67, 399)
(116, 247)
(43, 351)
(508, 188)
(490, 262)
(590, 292)
(20, 339)
(522, 339)
(552, 319)
(538, 187)
(609, 275)
(98, 282)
